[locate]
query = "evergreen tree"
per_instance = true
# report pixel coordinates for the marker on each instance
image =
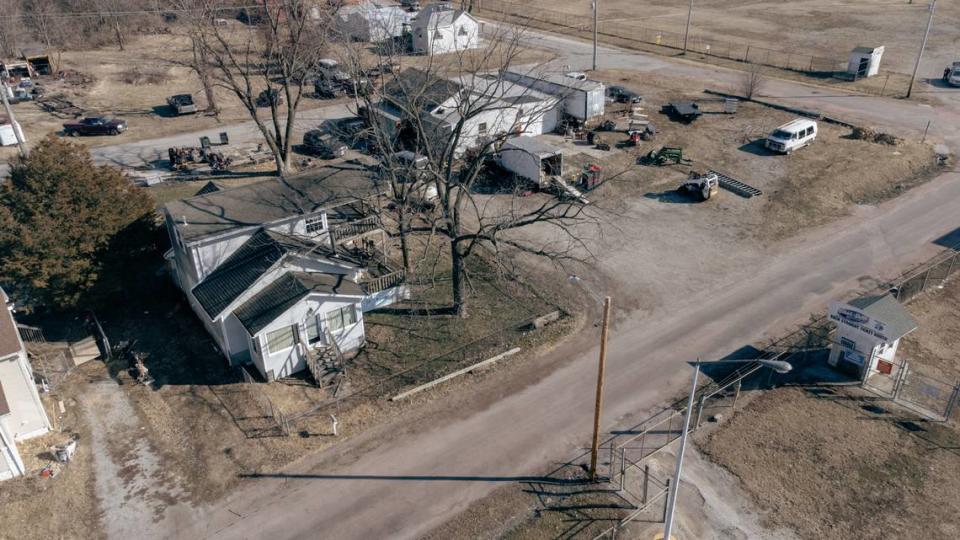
(63, 220)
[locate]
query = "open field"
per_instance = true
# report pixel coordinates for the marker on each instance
(819, 28)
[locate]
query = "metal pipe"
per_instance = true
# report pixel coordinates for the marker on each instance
(595, 448)
(596, 9)
(686, 33)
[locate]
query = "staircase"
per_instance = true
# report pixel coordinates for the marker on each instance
(326, 363)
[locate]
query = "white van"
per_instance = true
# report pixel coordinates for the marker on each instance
(792, 136)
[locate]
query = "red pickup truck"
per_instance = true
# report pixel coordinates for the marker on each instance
(98, 125)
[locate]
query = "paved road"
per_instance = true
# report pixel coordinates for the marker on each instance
(428, 473)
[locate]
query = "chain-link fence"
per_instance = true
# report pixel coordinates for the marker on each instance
(933, 273)
(633, 32)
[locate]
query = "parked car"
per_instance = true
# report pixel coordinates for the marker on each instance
(792, 136)
(327, 90)
(410, 5)
(320, 143)
(269, 97)
(97, 125)
(411, 168)
(951, 75)
(182, 104)
(623, 95)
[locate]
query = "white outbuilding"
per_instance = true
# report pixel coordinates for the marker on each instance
(582, 98)
(438, 29)
(372, 20)
(531, 159)
(869, 330)
(864, 61)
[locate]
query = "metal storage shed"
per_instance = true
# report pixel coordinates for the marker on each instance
(531, 158)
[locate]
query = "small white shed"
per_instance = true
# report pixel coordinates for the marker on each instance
(7, 136)
(531, 158)
(372, 20)
(869, 330)
(864, 61)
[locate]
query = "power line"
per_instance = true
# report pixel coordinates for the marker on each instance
(89, 14)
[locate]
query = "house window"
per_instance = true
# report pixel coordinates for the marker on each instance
(463, 31)
(437, 36)
(848, 344)
(340, 319)
(280, 340)
(482, 128)
(314, 224)
(313, 328)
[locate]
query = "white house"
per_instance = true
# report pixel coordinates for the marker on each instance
(489, 107)
(280, 272)
(22, 415)
(372, 20)
(438, 29)
(869, 330)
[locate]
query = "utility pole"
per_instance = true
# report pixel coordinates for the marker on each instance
(13, 119)
(675, 485)
(596, 9)
(595, 448)
(923, 45)
(687, 31)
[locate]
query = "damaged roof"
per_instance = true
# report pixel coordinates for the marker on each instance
(243, 268)
(223, 210)
(278, 297)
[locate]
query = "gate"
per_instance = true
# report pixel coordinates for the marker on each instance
(909, 387)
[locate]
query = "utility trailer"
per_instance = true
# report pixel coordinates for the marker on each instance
(583, 99)
(531, 159)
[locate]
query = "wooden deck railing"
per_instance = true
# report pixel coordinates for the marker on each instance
(355, 228)
(384, 282)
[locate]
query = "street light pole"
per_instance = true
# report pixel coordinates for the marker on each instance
(672, 499)
(596, 9)
(923, 45)
(685, 34)
(598, 406)
(779, 366)
(13, 119)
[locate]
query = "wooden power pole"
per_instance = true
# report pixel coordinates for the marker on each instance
(595, 448)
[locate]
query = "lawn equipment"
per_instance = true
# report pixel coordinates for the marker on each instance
(700, 187)
(590, 177)
(664, 156)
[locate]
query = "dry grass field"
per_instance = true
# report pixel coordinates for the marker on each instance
(811, 27)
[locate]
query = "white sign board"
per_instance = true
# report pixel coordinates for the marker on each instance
(854, 318)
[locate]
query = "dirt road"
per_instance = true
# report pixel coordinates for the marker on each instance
(403, 483)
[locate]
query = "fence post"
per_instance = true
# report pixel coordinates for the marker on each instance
(646, 481)
(667, 489)
(736, 395)
(623, 468)
(696, 425)
(901, 378)
(926, 276)
(952, 402)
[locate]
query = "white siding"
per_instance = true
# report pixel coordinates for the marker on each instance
(10, 463)
(463, 34)
(287, 362)
(27, 418)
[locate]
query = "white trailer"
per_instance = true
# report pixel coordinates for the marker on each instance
(583, 99)
(7, 136)
(531, 158)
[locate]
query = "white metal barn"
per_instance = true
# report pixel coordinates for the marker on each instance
(583, 99)
(439, 29)
(373, 20)
(532, 159)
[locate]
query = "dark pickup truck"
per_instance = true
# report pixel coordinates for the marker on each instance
(98, 125)
(182, 104)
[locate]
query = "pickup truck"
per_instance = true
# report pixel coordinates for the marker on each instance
(321, 143)
(97, 125)
(182, 104)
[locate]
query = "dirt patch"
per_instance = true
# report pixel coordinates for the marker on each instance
(808, 188)
(934, 345)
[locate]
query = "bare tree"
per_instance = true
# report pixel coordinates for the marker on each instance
(267, 65)
(752, 81)
(43, 18)
(455, 111)
(10, 25)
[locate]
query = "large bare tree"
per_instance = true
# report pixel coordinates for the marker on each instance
(455, 111)
(266, 65)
